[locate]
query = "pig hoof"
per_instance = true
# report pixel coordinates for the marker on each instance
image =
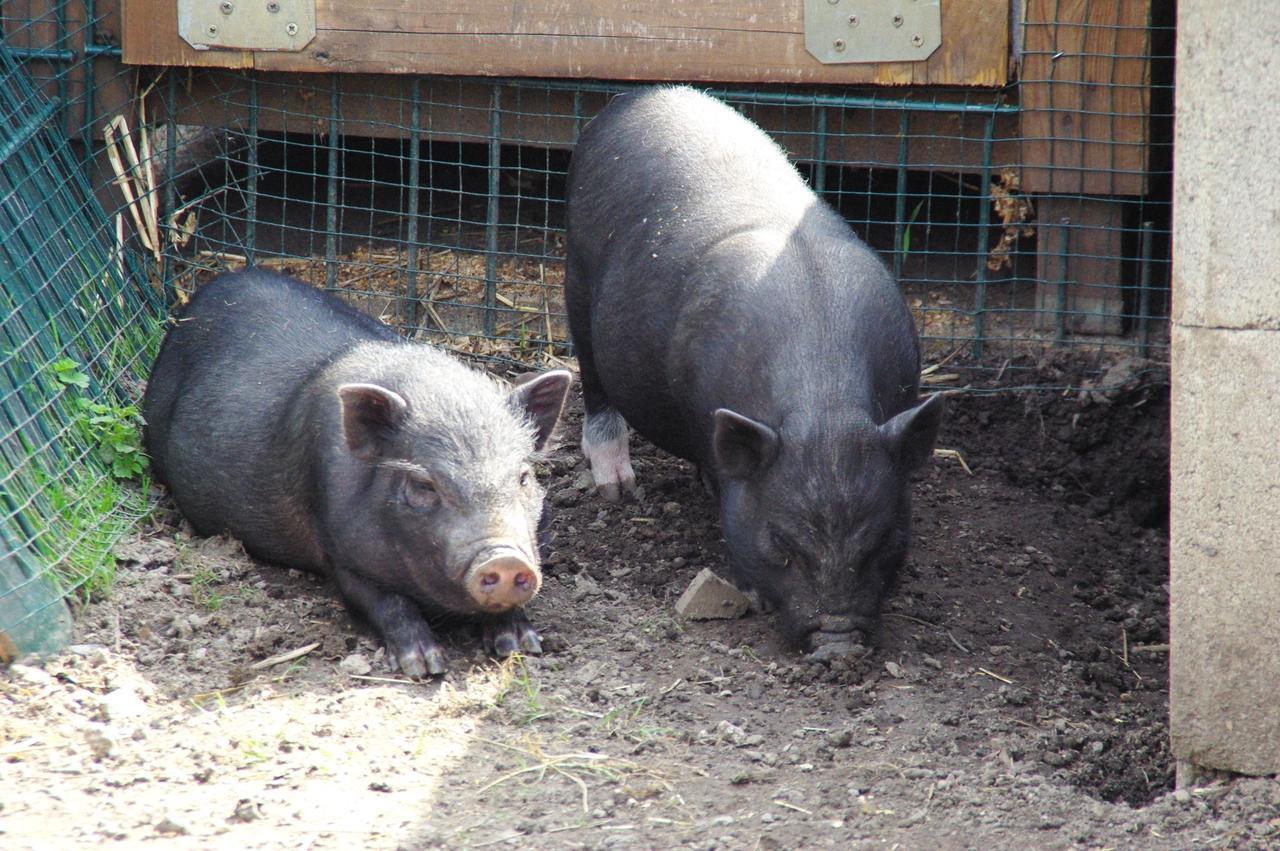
(615, 490)
(501, 642)
(418, 661)
(604, 443)
(506, 635)
(529, 643)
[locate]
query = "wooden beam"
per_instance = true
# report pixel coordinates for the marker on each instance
(758, 41)
(458, 111)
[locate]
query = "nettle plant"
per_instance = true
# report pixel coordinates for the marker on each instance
(114, 431)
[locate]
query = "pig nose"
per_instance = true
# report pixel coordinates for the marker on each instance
(838, 623)
(502, 580)
(840, 629)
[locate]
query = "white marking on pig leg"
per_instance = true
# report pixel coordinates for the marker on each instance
(604, 443)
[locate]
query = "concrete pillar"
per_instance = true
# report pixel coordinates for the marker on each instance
(1225, 545)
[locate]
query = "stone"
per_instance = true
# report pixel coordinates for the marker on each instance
(31, 675)
(123, 703)
(101, 740)
(710, 597)
(356, 664)
(168, 827)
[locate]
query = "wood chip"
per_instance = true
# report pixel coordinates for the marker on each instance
(283, 657)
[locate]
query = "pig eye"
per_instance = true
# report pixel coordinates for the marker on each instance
(420, 493)
(780, 545)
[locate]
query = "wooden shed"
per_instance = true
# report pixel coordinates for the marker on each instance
(1066, 85)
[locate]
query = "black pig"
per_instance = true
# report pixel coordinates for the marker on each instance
(734, 319)
(314, 434)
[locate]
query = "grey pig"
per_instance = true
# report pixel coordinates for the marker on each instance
(279, 415)
(726, 313)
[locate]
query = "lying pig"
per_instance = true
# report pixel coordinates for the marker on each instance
(313, 433)
(726, 313)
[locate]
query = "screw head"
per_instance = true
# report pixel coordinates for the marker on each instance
(897, 20)
(839, 45)
(291, 29)
(853, 20)
(917, 40)
(273, 7)
(833, 2)
(225, 7)
(211, 30)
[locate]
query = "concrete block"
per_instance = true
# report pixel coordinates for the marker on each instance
(1226, 196)
(708, 596)
(1225, 536)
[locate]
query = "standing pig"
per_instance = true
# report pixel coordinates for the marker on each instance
(733, 318)
(314, 434)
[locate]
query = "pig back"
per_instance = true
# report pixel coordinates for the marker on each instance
(674, 171)
(232, 421)
(717, 278)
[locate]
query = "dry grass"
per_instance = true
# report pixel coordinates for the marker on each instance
(448, 303)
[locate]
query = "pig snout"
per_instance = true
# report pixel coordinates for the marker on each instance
(838, 635)
(833, 628)
(502, 579)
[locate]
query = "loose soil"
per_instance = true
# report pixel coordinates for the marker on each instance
(1016, 697)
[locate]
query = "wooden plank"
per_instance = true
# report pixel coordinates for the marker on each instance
(747, 41)
(1086, 96)
(1083, 289)
(149, 36)
(459, 110)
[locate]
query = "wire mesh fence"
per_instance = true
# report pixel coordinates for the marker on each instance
(1022, 220)
(76, 334)
(438, 204)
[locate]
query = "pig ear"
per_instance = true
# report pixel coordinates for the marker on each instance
(542, 399)
(743, 447)
(370, 414)
(910, 434)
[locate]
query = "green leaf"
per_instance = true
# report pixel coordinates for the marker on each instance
(906, 234)
(67, 373)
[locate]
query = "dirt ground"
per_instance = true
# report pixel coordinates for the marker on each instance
(1016, 699)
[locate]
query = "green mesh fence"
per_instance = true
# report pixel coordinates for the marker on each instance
(1023, 222)
(77, 332)
(437, 204)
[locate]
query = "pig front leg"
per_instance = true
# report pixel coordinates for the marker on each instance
(509, 632)
(604, 443)
(411, 646)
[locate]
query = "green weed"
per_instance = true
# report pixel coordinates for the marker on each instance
(662, 628)
(906, 233)
(85, 507)
(87, 512)
(254, 751)
(204, 590)
(519, 693)
(114, 431)
(621, 721)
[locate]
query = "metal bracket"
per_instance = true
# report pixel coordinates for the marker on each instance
(845, 31)
(288, 25)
